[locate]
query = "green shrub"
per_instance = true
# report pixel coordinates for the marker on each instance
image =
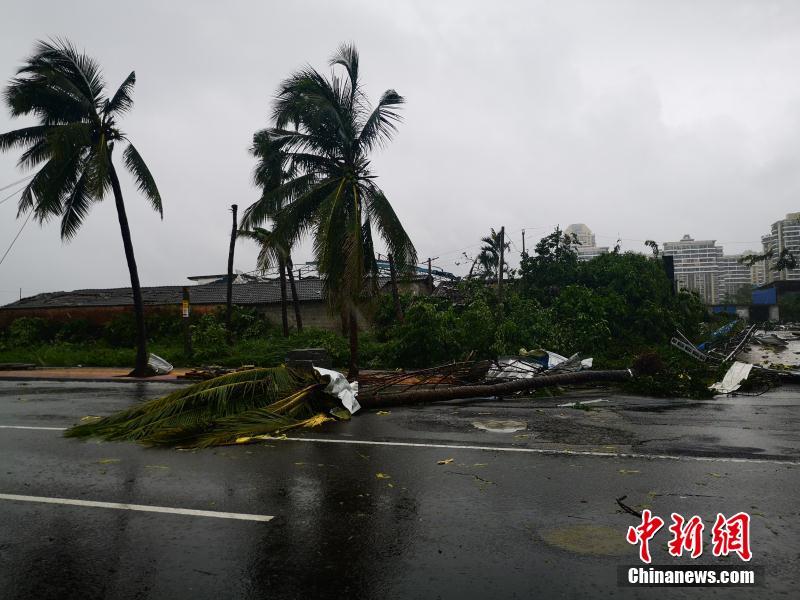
(249, 323)
(76, 331)
(28, 331)
(120, 331)
(209, 337)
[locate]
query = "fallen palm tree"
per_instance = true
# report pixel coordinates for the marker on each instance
(487, 390)
(245, 405)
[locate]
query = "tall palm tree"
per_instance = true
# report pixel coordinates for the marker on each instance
(324, 130)
(273, 250)
(73, 142)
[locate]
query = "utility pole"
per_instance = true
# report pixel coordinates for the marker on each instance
(187, 333)
(430, 271)
(398, 309)
(229, 306)
(500, 266)
(523, 241)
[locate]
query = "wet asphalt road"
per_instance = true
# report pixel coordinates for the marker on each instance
(378, 520)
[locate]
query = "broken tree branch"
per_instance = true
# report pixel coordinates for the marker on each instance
(626, 508)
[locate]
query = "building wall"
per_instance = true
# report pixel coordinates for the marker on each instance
(733, 276)
(758, 273)
(314, 314)
(589, 252)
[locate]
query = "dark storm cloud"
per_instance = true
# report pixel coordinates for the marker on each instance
(641, 119)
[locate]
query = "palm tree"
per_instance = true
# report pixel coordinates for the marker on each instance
(488, 258)
(273, 250)
(324, 130)
(73, 142)
(268, 175)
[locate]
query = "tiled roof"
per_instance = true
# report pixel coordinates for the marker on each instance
(262, 292)
(244, 293)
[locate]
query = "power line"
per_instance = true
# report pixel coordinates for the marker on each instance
(13, 194)
(16, 237)
(12, 184)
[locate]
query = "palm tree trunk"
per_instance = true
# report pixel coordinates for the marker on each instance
(352, 373)
(472, 268)
(229, 290)
(284, 316)
(298, 319)
(140, 369)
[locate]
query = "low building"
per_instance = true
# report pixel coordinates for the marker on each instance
(767, 299)
(99, 306)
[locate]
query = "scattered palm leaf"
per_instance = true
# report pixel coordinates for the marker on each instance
(234, 408)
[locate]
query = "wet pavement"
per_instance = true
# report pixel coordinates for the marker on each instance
(526, 508)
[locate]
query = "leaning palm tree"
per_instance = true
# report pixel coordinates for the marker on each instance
(273, 250)
(73, 144)
(324, 130)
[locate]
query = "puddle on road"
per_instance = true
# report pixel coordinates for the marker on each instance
(496, 426)
(595, 540)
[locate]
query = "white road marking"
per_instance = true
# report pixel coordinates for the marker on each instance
(27, 427)
(581, 402)
(546, 451)
(138, 507)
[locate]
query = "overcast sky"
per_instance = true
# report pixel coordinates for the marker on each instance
(642, 119)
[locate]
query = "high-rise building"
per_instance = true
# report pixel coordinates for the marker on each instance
(587, 249)
(783, 237)
(733, 276)
(758, 273)
(696, 266)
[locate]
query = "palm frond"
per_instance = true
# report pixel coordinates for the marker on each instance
(220, 410)
(200, 403)
(64, 58)
(52, 183)
(49, 96)
(122, 101)
(145, 182)
(291, 413)
(271, 248)
(25, 137)
(75, 208)
(99, 168)
(382, 123)
(347, 56)
(391, 229)
(273, 199)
